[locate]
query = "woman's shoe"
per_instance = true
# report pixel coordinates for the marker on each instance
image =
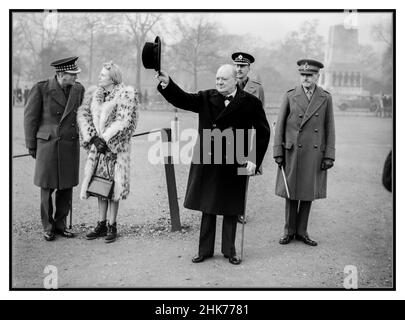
(99, 231)
(112, 233)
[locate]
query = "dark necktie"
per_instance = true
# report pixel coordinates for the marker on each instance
(228, 100)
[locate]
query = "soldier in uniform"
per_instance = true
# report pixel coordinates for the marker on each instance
(242, 62)
(304, 144)
(52, 139)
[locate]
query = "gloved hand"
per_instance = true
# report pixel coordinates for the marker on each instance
(33, 152)
(100, 144)
(279, 161)
(326, 164)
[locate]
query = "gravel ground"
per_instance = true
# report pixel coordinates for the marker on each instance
(354, 225)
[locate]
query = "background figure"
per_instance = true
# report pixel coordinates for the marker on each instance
(26, 93)
(304, 144)
(242, 63)
(217, 189)
(387, 172)
(51, 137)
(107, 120)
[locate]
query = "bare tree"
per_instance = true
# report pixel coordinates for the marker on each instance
(139, 26)
(38, 31)
(197, 50)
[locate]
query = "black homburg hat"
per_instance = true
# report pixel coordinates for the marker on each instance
(151, 54)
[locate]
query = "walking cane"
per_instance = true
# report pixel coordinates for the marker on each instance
(71, 214)
(244, 219)
(281, 166)
(285, 182)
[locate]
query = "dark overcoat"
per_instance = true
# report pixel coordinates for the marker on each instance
(305, 134)
(217, 188)
(50, 128)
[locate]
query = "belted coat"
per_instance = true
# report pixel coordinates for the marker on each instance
(217, 188)
(50, 128)
(304, 135)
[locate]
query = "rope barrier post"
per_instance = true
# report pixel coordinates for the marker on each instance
(171, 182)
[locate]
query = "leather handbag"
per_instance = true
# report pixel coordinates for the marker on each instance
(100, 187)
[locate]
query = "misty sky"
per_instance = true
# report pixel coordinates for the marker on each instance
(273, 26)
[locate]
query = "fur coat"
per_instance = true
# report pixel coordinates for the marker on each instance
(113, 120)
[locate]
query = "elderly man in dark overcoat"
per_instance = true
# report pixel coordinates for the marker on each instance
(52, 138)
(304, 146)
(216, 187)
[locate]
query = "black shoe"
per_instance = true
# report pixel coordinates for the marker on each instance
(99, 231)
(235, 259)
(64, 233)
(307, 240)
(241, 219)
(111, 233)
(198, 258)
(286, 239)
(49, 235)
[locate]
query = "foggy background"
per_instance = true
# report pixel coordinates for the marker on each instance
(195, 44)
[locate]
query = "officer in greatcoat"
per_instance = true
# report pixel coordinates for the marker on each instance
(52, 139)
(242, 62)
(217, 188)
(304, 145)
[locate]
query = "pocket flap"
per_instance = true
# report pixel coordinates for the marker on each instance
(43, 135)
(288, 145)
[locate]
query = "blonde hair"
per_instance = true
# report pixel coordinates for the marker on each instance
(114, 72)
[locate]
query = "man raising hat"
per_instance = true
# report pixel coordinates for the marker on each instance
(242, 63)
(52, 139)
(304, 146)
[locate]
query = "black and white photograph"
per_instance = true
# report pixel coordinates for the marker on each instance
(233, 149)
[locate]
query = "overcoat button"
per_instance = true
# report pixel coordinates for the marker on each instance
(316, 114)
(300, 115)
(316, 130)
(315, 146)
(300, 145)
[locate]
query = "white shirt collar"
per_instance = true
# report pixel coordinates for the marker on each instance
(233, 93)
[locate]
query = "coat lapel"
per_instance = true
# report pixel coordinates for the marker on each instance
(217, 104)
(56, 92)
(318, 98)
(301, 99)
(234, 104)
(71, 103)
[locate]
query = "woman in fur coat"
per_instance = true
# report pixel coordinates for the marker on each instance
(107, 120)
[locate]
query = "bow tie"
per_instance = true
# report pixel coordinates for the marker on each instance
(228, 98)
